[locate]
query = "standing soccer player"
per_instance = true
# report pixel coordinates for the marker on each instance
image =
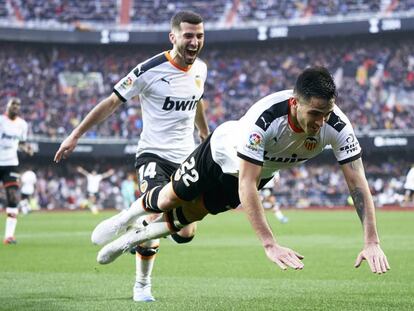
(170, 87)
(28, 184)
(93, 181)
(13, 134)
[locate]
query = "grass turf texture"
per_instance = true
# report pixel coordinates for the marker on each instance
(53, 266)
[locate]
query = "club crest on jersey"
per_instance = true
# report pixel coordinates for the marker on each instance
(254, 141)
(310, 143)
(198, 81)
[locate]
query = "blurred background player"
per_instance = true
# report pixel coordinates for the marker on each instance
(269, 199)
(170, 87)
(128, 189)
(28, 182)
(13, 134)
(93, 180)
(409, 187)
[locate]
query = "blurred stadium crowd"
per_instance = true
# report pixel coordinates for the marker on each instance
(375, 81)
(59, 84)
(155, 11)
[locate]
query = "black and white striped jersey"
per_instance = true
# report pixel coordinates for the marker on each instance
(265, 136)
(168, 95)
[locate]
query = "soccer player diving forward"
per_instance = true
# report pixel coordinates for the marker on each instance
(282, 130)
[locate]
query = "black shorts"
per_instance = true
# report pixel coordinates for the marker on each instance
(93, 194)
(9, 176)
(199, 175)
(153, 171)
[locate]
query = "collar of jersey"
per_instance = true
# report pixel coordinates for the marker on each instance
(167, 54)
(291, 124)
(13, 120)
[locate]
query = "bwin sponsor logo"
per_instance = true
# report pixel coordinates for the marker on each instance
(170, 104)
(292, 159)
(11, 137)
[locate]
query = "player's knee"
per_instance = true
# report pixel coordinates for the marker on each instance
(147, 252)
(179, 239)
(176, 219)
(12, 211)
(150, 200)
(12, 197)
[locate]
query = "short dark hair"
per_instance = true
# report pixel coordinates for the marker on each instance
(316, 82)
(185, 17)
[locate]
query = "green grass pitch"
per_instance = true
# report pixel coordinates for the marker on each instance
(53, 266)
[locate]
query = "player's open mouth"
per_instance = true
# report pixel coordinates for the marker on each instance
(191, 52)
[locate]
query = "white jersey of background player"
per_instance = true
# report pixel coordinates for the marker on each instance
(11, 133)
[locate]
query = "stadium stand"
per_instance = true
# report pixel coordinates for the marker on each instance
(145, 12)
(60, 83)
(375, 79)
(153, 12)
(67, 11)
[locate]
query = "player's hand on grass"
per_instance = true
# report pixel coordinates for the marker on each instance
(375, 257)
(284, 257)
(66, 148)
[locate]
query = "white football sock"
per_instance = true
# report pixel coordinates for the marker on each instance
(144, 265)
(279, 215)
(11, 222)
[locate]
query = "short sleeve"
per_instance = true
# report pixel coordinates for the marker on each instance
(251, 146)
(344, 142)
(131, 85)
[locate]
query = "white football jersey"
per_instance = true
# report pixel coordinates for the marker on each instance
(409, 181)
(28, 181)
(266, 137)
(11, 133)
(168, 95)
(93, 182)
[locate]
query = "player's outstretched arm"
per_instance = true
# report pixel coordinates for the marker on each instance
(99, 113)
(248, 179)
(108, 173)
(364, 205)
(82, 171)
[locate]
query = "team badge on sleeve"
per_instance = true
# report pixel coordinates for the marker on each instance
(126, 84)
(255, 140)
(310, 143)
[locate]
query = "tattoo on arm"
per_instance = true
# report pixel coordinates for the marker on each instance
(358, 197)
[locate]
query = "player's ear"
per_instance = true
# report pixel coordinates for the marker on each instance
(171, 35)
(293, 102)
